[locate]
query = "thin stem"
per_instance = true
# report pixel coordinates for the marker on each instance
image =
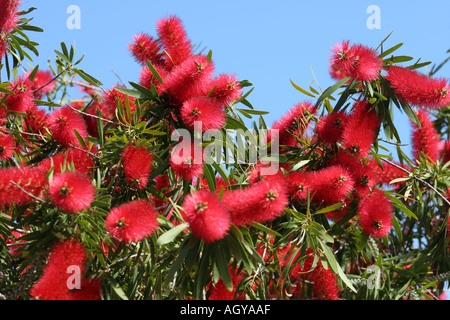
(419, 179)
(27, 193)
(88, 152)
(54, 78)
(97, 117)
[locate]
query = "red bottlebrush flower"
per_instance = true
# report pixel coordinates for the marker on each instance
(113, 97)
(8, 15)
(331, 185)
(147, 79)
(294, 122)
(425, 139)
(91, 121)
(162, 183)
(43, 81)
(186, 160)
(418, 89)
(36, 119)
(299, 182)
(330, 127)
(225, 88)
(263, 170)
(358, 142)
(132, 221)
(174, 38)
(66, 258)
(207, 216)
(82, 162)
(137, 165)
(4, 45)
(261, 202)
(357, 61)
(207, 111)
(375, 213)
(144, 48)
(322, 281)
(364, 177)
(22, 97)
(388, 172)
(188, 79)
(62, 122)
(219, 291)
(7, 146)
(71, 191)
(15, 180)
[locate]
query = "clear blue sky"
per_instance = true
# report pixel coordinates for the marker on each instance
(265, 42)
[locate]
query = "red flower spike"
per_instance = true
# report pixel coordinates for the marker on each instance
(418, 89)
(8, 15)
(81, 161)
(207, 111)
(299, 182)
(375, 213)
(62, 122)
(294, 122)
(36, 119)
(175, 41)
(112, 98)
(359, 142)
(323, 281)
(15, 180)
(43, 81)
(54, 283)
(219, 291)
(132, 221)
(224, 88)
(7, 146)
(388, 173)
(330, 127)
(71, 191)
(137, 165)
(425, 139)
(144, 48)
(261, 202)
(22, 97)
(331, 185)
(187, 163)
(207, 216)
(188, 79)
(357, 61)
(147, 79)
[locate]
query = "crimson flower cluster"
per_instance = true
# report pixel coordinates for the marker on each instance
(60, 165)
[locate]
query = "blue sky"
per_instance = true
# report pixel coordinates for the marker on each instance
(265, 42)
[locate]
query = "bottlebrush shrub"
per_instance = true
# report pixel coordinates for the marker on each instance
(99, 200)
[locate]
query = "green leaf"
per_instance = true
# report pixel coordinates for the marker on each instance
(130, 92)
(170, 235)
(63, 57)
(154, 72)
(335, 267)
(222, 266)
(302, 90)
(265, 229)
(399, 205)
(80, 138)
(330, 90)
(90, 79)
(330, 208)
(389, 51)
